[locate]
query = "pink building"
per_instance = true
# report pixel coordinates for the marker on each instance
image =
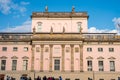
(60, 45)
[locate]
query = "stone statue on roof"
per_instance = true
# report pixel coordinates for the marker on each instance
(73, 9)
(46, 9)
(51, 30)
(81, 29)
(63, 29)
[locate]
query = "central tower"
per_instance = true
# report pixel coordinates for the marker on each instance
(70, 22)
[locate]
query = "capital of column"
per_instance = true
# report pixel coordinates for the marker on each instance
(42, 45)
(51, 45)
(81, 45)
(71, 45)
(63, 45)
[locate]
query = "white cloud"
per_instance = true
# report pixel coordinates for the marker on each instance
(95, 30)
(24, 3)
(117, 24)
(25, 27)
(8, 6)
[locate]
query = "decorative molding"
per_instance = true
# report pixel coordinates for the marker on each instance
(14, 57)
(89, 57)
(111, 57)
(60, 14)
(100, 57)
(25, 57)
(3, 57)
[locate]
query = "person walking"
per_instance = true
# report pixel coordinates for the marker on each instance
(60, 78)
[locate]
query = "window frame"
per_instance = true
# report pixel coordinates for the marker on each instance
(89, 65)
(57, 65)
(4, 48)
(14, 66)
(101, 66)
(112, 67)
(15, 48)
(89, 49)
(100, 49)
(111, 49)
(25, 65)
(3, 65)
(26, 49)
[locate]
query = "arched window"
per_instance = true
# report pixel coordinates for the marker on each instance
(39, 26)
(79, 26)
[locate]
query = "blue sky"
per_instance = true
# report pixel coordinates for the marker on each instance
(104, 15)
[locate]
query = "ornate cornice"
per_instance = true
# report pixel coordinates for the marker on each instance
(57, 37)
(59, 15)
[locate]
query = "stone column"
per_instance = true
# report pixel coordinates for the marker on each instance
(51, 51)
(72, 58)
(32, 58)
(41, 58)
(81, 58)
(63, 57)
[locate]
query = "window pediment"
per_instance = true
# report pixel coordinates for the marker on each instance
(100, 57)
(111, 57)
(89, 57)
(14, 57)
(3, 57)
(25, 57)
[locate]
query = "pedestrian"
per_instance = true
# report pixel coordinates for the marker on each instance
(38, 78)
(29, 78)
(44, 78)
(60, 78)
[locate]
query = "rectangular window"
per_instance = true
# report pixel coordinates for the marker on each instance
(111, 49)
(76, 49)
(15, 48)
(14, 64)
(112, 66)
(57, 64)
(89, 49)
(25, 49)
(25, 64)
(4, 48)
(3, 64)
(101, 65)
(100, 49)
(89, 64)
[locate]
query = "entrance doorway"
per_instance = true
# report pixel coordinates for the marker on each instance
(2, 76)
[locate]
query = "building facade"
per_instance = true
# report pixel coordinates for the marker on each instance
(60, 45)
